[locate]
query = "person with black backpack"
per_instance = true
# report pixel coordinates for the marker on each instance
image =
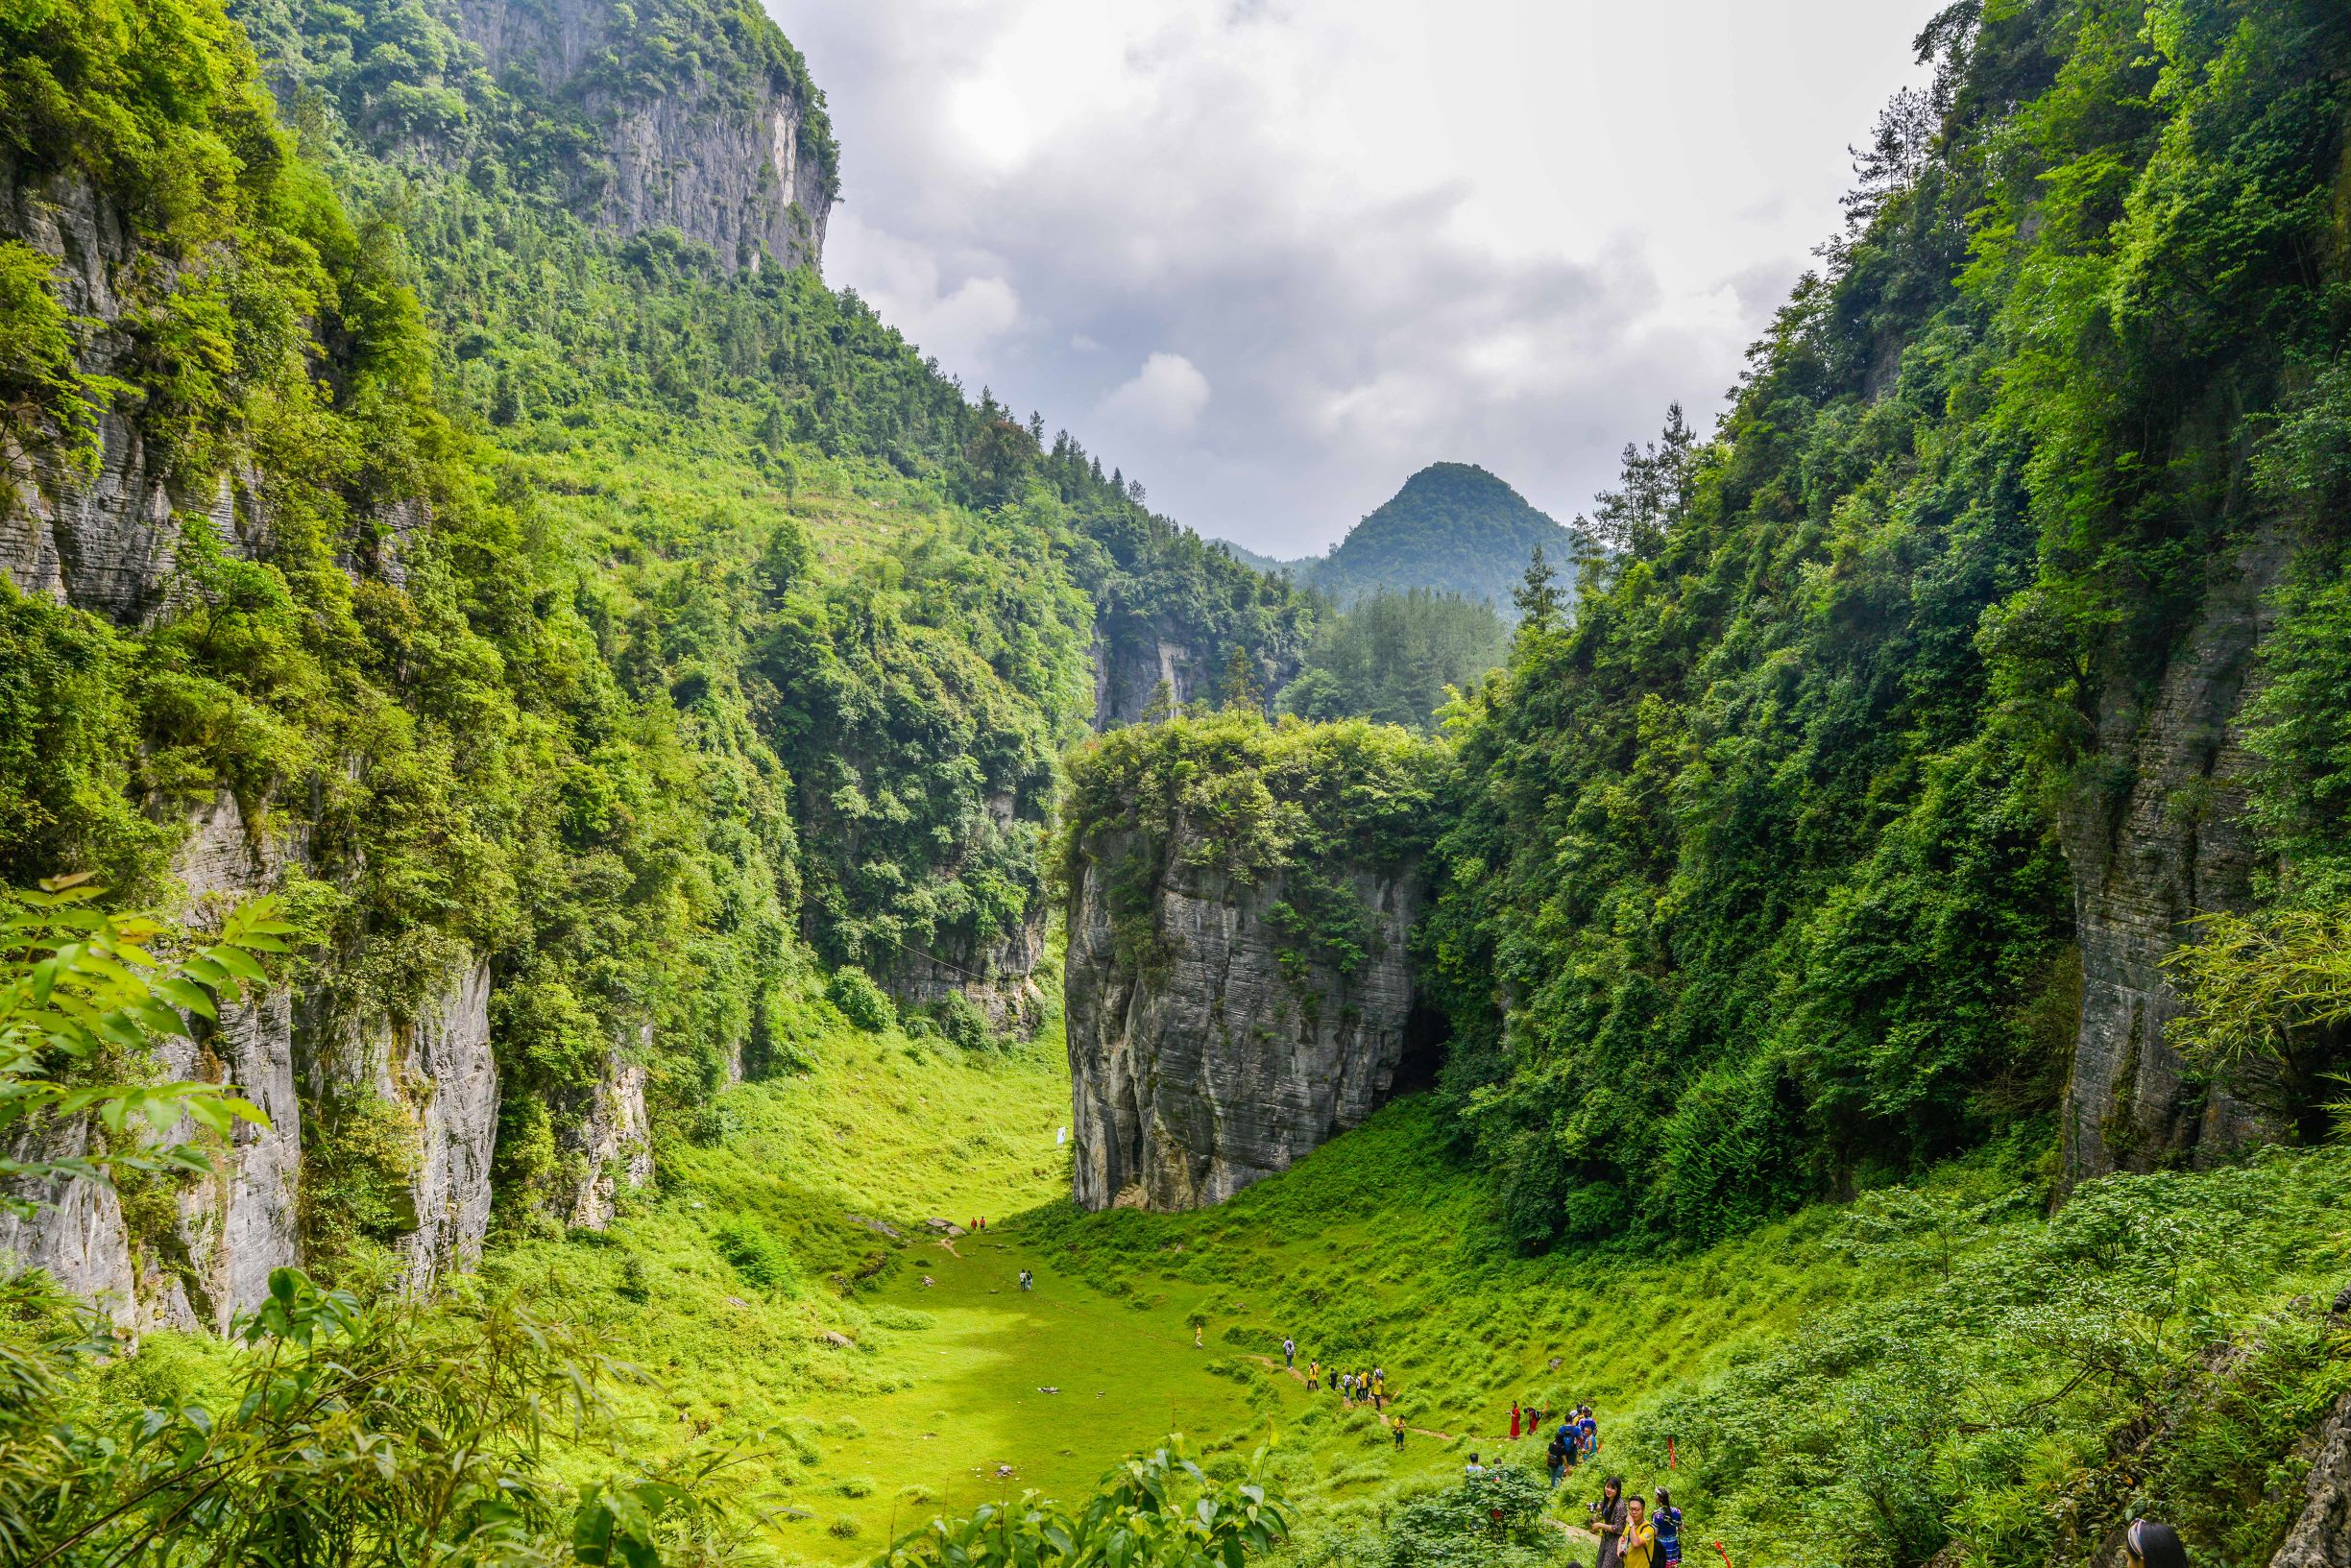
(1668, 1522)
(1555, 1457)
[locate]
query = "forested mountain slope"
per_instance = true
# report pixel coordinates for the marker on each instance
(1854, 806)
(467, 511)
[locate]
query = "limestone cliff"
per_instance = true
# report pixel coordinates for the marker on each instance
(1215, 1051)
(434, 1068)
(101, 540)
(103, 537)
(731, 151)
(1136, 659)
(609, 1148)
(2148, 857)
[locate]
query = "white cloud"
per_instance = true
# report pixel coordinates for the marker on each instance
(907, 284)
(1166, 394)
(1385, 231)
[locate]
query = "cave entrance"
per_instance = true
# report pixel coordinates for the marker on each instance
(1426, 1033)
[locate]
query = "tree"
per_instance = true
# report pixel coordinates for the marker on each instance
(1537, 597)
(1653, 490)
(1239, 687)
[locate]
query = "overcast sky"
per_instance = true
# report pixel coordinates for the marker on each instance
(1270, 257)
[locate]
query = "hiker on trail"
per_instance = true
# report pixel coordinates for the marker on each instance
(1514, 1420)
(1640, 1537)
(1197, 1343)
(1347, 1386)
(1668, 1522)
(1289, 1352)
(1555, 1457)
(2153, 1544)
(1379, 1390)
(1027, 1280)
(1608, 1522)
(1474, 1468)
(1314, 1375)
(1400, 1431)
(1591, 1431)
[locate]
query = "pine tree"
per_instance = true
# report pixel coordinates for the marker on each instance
(1538, 598)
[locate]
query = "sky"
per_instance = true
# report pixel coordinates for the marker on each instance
(1270, 257)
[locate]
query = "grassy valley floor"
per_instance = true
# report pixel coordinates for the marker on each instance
(774, 1297)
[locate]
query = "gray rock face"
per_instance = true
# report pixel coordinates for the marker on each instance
(2321, 1534)
(437, 1069)
(1205, 1066)
(614, 1140)
(101, 541)
(78, 1235)
(239, 1224)
(998, 975)
(2146, 860)
(724, 169)
(1132, 656)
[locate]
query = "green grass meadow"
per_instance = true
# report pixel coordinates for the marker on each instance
(780, 1300)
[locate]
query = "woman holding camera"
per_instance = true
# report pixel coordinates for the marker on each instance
(1608, 1522)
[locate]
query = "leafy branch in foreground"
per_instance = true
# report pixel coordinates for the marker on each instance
(84, 993)
(1156, 1510)
(360, 1432)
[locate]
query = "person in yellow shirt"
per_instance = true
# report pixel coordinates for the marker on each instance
(1314, 1375)
(1639, 1534)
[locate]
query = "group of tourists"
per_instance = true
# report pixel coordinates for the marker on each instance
(1576, 1441)
(1353, 1388)
(1634, 1534)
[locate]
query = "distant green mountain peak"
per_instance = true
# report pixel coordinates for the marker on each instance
(1452, 527)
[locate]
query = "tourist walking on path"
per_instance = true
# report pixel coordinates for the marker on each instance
(1590, 1430)
(1667, 1520)
(1314, 1375)
(1400, 1431)
(1289, 1353)
(1608, 1522)
(1514, 1420)
(1639, 1534)
(1555, 1457)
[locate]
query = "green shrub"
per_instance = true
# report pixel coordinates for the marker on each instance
(961, 1020)
(757, 1256)
(860, 1002)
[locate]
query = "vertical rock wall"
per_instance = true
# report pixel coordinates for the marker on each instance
(731, 172)
(1134, 656)
(77, 1233)
(436, 1068)
(2148, 857)
(611, 1143)
(102, 541)
(1220, 1057)
(239, 1224)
